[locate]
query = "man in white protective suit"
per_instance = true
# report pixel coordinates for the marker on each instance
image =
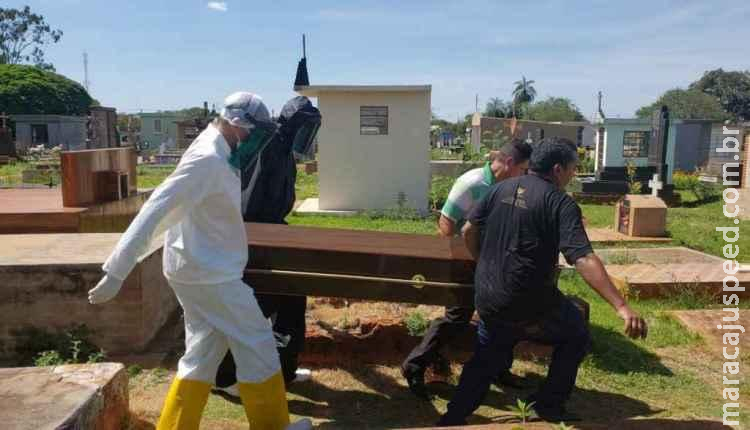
(205, 253)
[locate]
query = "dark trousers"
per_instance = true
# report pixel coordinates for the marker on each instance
(288, 313)
(442, 331)
(564, 328)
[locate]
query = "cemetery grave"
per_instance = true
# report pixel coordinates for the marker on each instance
(81, 396)
(98, 193)
(647, 281)
(704, 323)
(344, 329)
(45, 279)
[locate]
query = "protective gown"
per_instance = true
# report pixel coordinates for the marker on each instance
(205, 253)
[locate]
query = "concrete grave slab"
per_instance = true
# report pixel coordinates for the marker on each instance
(44, 283)
(661, 280)
(311, 206)
(41, 210)
(608, 235)
(667, 255)
(81, 396)
(704, 323)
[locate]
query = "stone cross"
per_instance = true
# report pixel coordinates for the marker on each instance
(3, 117)
(655, 184)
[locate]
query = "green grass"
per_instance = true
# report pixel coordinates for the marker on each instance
(694, 227)
(306, 185)
(598, 215)
(150, 176)
(362, 222)
(635, 368)
(12, 172)
(12, 175)
(691, 225)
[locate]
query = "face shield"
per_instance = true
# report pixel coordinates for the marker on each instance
(302, 143)
(248, 150)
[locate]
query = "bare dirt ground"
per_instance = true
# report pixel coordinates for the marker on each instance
(355, 348)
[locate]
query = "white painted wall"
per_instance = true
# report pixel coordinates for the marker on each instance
(369, 171)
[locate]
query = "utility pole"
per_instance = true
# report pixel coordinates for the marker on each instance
(86, 70)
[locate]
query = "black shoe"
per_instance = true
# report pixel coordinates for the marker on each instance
(507, 379)
(417, 385)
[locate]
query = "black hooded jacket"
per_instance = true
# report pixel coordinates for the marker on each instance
(273, 196)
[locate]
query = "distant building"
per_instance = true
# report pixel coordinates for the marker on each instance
(486, 131)
(712, 161)
(691, 144)
(374, 146)
(68, 132)
(189, 129)
(158, 128)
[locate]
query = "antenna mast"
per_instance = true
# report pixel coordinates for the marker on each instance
(86, 71)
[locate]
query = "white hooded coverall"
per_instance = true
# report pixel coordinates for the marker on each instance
(205, 253)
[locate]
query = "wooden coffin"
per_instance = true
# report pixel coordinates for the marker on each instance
(370, 265)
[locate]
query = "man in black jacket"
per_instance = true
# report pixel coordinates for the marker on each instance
(516, 234)
(268, 196)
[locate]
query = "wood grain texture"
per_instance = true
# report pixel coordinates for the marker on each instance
(353, 252)
(78, 184)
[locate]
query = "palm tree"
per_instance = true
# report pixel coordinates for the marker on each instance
(496, 108)
(523, 93)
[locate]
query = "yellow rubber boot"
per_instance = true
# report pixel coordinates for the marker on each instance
(265, 403)
(184, 405)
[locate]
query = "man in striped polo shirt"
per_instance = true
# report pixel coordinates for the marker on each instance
(511, 160)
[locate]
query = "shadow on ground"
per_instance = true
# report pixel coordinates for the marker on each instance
(588, 404)
(385, 403)
(382, 404)
(613, 352)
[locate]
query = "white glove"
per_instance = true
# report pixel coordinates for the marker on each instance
(105, 290)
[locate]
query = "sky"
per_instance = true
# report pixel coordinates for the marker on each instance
(165, 55)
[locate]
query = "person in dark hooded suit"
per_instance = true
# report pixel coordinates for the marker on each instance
(268, 196)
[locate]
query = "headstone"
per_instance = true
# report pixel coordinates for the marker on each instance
(637, 215)
(102, 127)
(655, 184)
(658, 142)
(657, 150)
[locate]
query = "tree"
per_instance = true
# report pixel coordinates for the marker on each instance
(22, 36)
(731, 88)
(497, 108)
(30, 90)
(128, 122)
(686, 104)
(523, 93)
(554, 109)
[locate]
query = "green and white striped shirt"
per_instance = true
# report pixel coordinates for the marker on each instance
(466, 192)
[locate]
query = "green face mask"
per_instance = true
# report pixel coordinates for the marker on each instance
(249, 149)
